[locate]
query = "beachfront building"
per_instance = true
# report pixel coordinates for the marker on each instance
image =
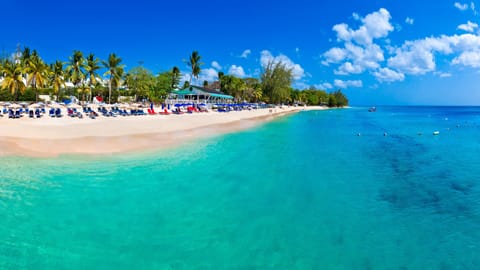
(197, 94)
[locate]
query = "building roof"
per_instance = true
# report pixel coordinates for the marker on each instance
(197, 90)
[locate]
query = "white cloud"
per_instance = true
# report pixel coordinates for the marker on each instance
(236, 71)
(468, 58)
(334, 55)
(324, 86)
(347, 84)
(358, 58)
(468, 27)
(216, 65)
(297, 70)
(246, 53)
(208, 74)
(418, 57)
(375, 25)
(461, 7)
(348, 68)
(388, 75)
(360, 52)
(443, 74)
(414, 61)
(356, 16)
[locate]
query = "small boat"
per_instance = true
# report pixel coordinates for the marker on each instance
(436, 133)
(372, 109)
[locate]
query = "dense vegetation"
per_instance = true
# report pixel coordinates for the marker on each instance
(26, 76)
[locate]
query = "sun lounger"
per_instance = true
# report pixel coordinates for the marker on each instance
(165, 112)
(58, 113)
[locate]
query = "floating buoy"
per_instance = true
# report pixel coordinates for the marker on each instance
(436, 133)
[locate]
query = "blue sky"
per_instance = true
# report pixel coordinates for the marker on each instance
(379, 52)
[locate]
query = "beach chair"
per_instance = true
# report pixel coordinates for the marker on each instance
(70, 112)
(11, 114)
(51, 112)
(165, 112)
(58, 113)
(31, 114)
(38, 113)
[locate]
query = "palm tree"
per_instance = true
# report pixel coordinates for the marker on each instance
(37, 72)
(115, 70)
(76, 67)
(195, 64)
(91, 68)
(12, 78)
(175, 77)
(57, 78)
(83, 90)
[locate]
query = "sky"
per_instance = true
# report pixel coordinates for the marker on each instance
(379, 52)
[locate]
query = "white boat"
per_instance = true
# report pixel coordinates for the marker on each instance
(436, 133)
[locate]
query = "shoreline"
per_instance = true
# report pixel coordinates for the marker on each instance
(42, 138)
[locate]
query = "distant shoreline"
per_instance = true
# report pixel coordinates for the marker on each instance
(105, 136)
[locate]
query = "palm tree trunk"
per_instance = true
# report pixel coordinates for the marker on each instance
(36, 93)
(110, 90)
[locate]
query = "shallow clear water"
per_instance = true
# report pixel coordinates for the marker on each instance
(301, 192)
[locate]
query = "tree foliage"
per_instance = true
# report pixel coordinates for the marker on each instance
(140, 81)
(115, 71)
(24, 75)
(276, 80)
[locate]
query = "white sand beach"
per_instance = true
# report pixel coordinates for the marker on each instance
(48, 137)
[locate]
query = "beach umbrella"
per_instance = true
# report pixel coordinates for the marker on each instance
(33, 106)
(56, 105)
(74, 105)
(15, 106)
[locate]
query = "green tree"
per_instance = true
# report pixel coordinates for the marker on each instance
(162, 85)
(12, 78)
(76, 68)
(176, 75)
(253, 89)
(276, 80)
(339, 99)
(37, 72)
(84, 90)
(115, 71)
(92, 66)
(57, 78)
(141, 82)
(195, 64)
(233, 86)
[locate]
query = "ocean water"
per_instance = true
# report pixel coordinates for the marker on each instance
(301, 192)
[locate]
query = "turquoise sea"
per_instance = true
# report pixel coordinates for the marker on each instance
(301, 192)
